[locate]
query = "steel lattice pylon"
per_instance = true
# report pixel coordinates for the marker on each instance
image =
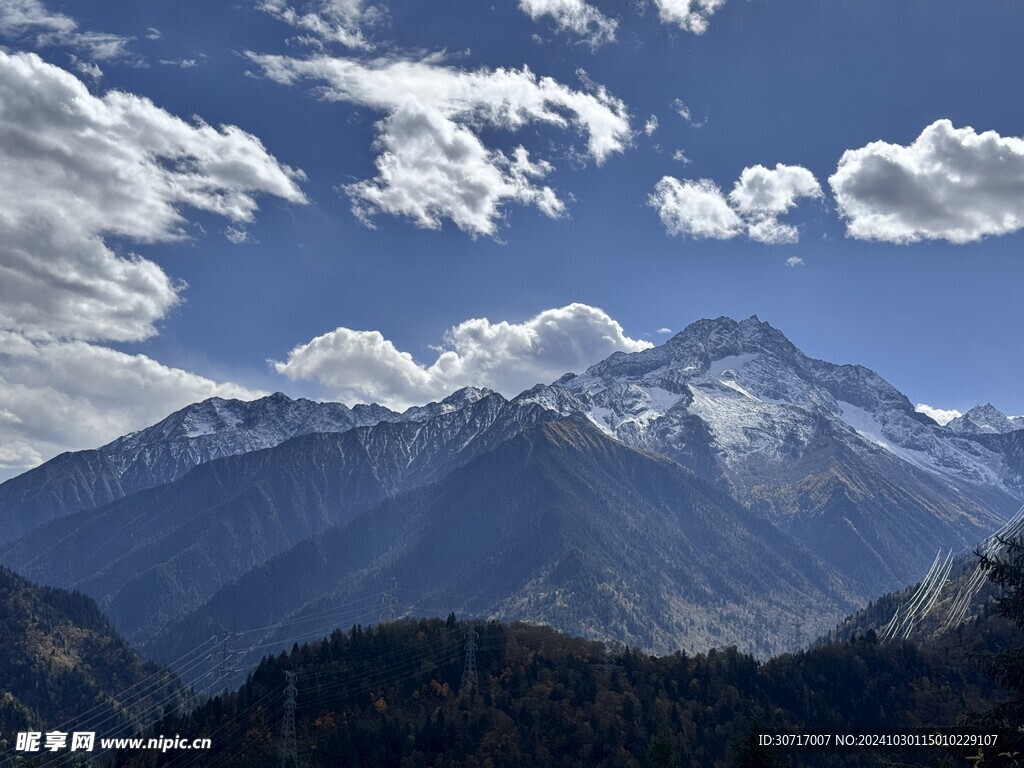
(289, 745)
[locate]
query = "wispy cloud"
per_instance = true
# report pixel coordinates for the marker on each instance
(32, 19)
(576, 16)
(328, 21)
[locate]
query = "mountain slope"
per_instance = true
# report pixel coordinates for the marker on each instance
(61, 659)
(833, 454)
(155, 555)
(212, 429)
(560, 525)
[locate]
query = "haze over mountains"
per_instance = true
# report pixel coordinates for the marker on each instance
(677, 497)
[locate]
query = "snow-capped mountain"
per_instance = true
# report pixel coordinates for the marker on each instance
(762, 400)
(558, 524)
(161, 453)
(832, 453)
(986, 419)
(152, 555)
(196, 434)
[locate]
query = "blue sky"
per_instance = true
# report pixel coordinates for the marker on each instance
(894, 284)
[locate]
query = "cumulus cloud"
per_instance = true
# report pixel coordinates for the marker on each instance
(760, 195)
(574, 16)
(699, 209)
(689, 15)
(433, 164)
(651, 125)
(942, 415)
(794, 261)
(75, 168)
(664, 330)
(950, 184)
(31, 18)
(695, 209)
(364, 366)
(428, 164)
(328, 21)
(59, 396)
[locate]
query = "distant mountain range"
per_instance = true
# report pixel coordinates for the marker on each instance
(707, 491)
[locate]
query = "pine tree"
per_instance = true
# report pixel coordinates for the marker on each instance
(1007, 571)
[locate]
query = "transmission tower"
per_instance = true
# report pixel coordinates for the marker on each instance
(289, 746)
(469, 677)
(388, 601)
(223, 667)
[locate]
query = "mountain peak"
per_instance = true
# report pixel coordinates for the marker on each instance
(277, 397)
(723, 336)
(467, 395)
(984, 419)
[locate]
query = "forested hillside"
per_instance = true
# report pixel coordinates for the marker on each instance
(398, 695)
(62, 665)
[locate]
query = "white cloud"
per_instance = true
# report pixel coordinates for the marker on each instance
(684, 112)
(152, 33)
(794, 261)
(20, 18)
(760, 195)
(699, 209)
(59, 396)
(950, 184)
(363, 366)
(680, 157)
(574, 16)
(181, 63)
(328, 21)
(238, 236)
(651, 125)
(696, 209)
(87, 68)
(689, 15)
(75, 168)
(760, 190)
(428, 164)
(664, 330)
(433, 164)
(941, 415)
